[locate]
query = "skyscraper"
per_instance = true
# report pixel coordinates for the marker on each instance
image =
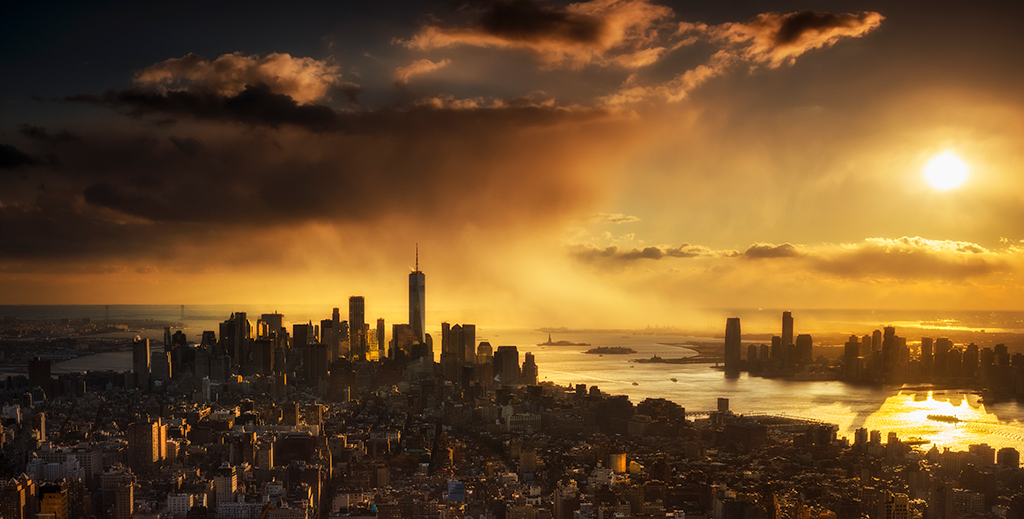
(787, 329)
(356, 327)
(732, 344)
(506, 365)
(337, 335)
(381, 344)
(528, 371)
(140, 363)
(417, 300)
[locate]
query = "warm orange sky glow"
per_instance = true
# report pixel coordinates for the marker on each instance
(607, 164)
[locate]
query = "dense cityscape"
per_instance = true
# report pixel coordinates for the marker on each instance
(688, 260)
(880, 357)
(329, 420)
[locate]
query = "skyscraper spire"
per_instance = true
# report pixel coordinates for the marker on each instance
(417, 300)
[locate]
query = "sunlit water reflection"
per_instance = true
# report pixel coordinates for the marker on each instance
(697, 387)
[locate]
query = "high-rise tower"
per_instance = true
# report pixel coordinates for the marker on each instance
(356, 331)
(140, 363)
(787, 329)
(732, 345)
(417, 300)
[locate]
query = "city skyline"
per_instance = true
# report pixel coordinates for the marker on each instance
(597, 164)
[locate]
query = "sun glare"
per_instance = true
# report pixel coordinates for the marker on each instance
(945, 171)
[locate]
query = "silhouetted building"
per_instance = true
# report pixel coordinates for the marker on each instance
(787, 329)
(118, 486)
(417, 300)
(732, 345)
(39, 374)
(357, 327)
(506, 365)
(804, 349)
(528, 373)
(140, 363)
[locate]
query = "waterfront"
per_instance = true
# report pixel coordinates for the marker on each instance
(698, 386)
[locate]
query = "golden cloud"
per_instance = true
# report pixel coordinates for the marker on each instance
(600, 32)
(402, 75)
(303, 79)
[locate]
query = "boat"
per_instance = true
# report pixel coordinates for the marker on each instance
(674, 379)
(635, 384)
(944, 418)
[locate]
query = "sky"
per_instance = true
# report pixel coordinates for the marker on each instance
(611, 163)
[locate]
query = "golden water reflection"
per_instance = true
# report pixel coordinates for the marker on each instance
(906, 414)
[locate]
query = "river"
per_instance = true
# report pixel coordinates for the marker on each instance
(697, 387)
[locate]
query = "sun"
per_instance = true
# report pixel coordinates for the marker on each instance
(945, 171)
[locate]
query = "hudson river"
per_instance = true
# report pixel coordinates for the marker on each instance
(697, 387)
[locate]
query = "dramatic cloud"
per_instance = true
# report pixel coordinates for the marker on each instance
(600, 32)
(613, 218)
(774, 39)
(303, 79)
(258, 106)
(11, 157)
(402, 75)
(194, 182)
(911, 258)
(767, 250)
(39, 133)
(770, 39)
(590, 254)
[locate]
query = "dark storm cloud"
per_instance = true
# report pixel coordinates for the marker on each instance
(188, 145)
(60, 225)
(796, 25)
(527, 20)
(134, 190)
(39, 133)
(768, 250)
(600, 32)
(258, 106)
(775, 39)
(254, 105)
(11, 157)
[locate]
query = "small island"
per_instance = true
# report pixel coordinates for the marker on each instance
(613, 350)
(562, 343)
(696, 359)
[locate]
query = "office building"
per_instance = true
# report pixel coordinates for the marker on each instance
(804, 349)
(732, 344)
(417, 300)
(118, 487)
(337, 334)
(53, 501)
(506, 365)
(357, 326)
(39, 374)
(787, 329)
(528, 373)
(140, 363)
(270, 325)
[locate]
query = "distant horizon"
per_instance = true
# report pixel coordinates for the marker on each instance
(755, 321)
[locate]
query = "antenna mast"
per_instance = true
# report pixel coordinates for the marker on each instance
(417, 257)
